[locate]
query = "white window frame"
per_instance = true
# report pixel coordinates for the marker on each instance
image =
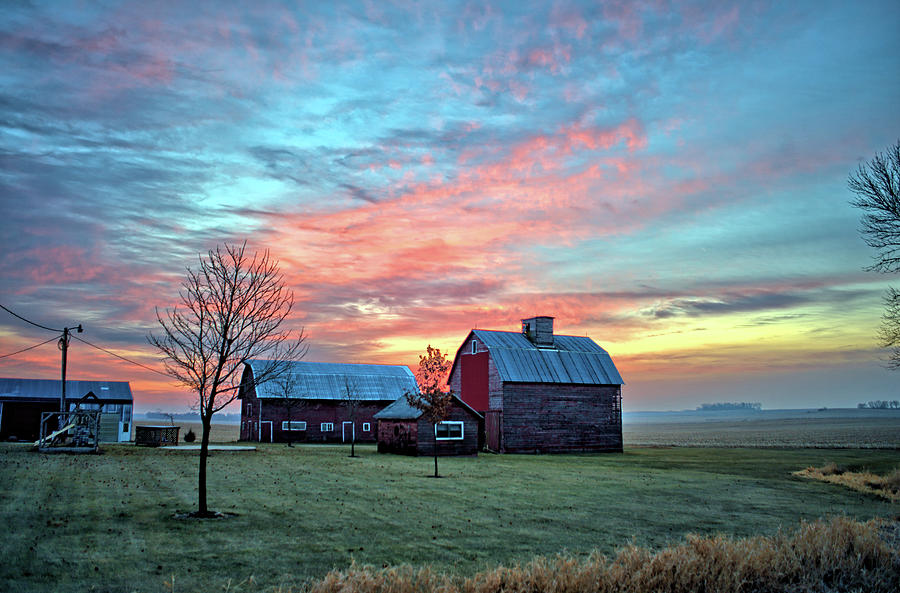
(462, 430)
(474, 346)
(327, 427)
(293, 425)
(367, 426)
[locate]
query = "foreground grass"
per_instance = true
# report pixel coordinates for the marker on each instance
(106, 523)
(838, 555)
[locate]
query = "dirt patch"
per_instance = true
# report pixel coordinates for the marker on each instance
(195, 516)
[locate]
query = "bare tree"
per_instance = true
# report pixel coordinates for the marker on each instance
(286, 386)
(232, 309)
(352, 399)
(877, 188)
(889, 332)
(432, 399)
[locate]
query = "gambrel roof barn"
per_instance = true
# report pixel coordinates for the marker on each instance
(539, 391)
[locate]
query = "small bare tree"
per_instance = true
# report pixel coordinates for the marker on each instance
(877, 188)
(232, 310)
(432, 399)
(352, 399)
(286, 386)
(169, 415)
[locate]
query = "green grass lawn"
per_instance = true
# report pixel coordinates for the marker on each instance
(106, 522)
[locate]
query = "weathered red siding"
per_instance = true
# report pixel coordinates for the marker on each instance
(547, 418)
(468, 445)
(416, 437)
(260, 416)
(397, 436)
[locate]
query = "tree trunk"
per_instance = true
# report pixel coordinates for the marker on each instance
(353, 446)
(202, 509)
(290, 427)
(435, 450)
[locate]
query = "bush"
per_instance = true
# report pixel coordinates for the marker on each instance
(189, 436)
(833, 469)
(891, 482)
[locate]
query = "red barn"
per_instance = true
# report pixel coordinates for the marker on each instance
(406, 430)
(540, 392)
(319, 407)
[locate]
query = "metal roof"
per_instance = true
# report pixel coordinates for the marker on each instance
(401, 410)
(327, 380)
(48, 389)
(571, 359)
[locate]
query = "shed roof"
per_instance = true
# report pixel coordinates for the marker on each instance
(402, 410)
(327, 380)
(571, 359)
(49, 389)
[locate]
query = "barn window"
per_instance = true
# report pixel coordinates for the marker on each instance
(474, 346)
(293, 425)
(366, 427)
(326, 426)
(449, 430)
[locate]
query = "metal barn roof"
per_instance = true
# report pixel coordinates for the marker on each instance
(327, 380)
(48, 389)
(401, 410)
(571, 359)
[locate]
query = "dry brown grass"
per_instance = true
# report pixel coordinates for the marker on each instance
(887, 486)
(836, 555)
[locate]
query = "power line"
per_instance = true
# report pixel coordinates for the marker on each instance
(121, 357)
(31, 322)
(29, 348)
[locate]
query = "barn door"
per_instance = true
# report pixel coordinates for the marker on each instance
(265, 431)
(348, 431)
(492, 421)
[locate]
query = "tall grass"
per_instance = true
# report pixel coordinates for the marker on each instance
(887, 486)
(835, 555)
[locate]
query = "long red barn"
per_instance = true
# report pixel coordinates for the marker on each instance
(317, 401)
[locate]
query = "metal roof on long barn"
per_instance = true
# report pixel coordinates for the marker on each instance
(571, 359)
(48, 389)
(327, 380)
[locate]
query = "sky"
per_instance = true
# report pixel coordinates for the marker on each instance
(668, 178)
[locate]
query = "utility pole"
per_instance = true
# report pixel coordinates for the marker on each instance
(64, 347)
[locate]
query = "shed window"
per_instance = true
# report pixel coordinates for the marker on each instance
(293, 425)
(326, 426)
(366, 427)
(474, 346)
(449, 430)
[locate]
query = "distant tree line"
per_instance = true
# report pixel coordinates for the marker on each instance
(879, 404)
(190, 417)
(719, 406)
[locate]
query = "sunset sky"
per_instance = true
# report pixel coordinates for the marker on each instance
(668, 178)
